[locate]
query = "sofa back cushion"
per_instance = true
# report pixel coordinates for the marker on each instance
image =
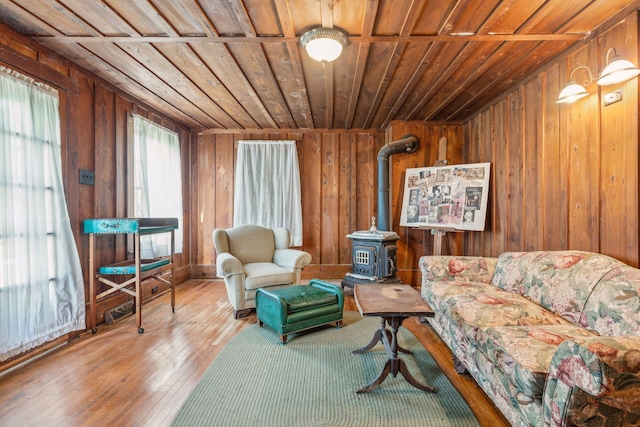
(458, 268)
(560, 281)
(510, 270)
(613, 308)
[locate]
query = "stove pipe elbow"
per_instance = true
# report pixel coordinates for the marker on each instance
(408, 144)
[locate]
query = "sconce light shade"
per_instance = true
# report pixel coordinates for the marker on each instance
(617, 71)
(571, 93)
(323, 44)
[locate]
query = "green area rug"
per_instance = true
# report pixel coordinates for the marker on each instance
(313, 379)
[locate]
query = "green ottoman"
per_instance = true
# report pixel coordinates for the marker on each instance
(295, 308)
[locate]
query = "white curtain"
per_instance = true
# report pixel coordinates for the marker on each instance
(157, 183)
(267, 187)
(41, 284)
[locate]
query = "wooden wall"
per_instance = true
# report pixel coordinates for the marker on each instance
(337, 175)
(413, 242)
(338, 186)
(94, 137)
(564, 176)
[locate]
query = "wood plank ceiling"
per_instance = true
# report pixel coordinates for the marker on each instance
(238, 64)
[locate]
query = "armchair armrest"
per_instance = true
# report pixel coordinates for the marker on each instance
(457, 268)
(595, 372)
(227, 265)
(291, 258)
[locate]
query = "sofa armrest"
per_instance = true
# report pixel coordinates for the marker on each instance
(457, 268)
(227, 265)
(596, 371)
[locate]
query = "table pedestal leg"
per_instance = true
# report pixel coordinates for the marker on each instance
(394, 364)
(377, 337)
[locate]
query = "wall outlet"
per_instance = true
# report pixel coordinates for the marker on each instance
(612, 97)
(154, 290)
(87, 177)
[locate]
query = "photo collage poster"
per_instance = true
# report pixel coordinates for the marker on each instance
(446, 197)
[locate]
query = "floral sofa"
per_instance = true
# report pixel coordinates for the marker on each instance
(553, 338)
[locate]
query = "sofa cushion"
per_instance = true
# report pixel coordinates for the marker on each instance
(478, 306)
(559, 281)
(261, 274)
(524, 353)
(436, 294)
(460, 269)
(562, 281)
(510, 270)
(613, 308)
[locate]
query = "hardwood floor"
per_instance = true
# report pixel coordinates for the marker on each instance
(120, 378)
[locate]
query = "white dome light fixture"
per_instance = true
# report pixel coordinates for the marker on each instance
(323, 44)
(571, 93)
(617, 70)
(573, 90)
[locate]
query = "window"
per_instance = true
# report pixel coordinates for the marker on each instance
(157, 183)
(267, 191)
(41, 284)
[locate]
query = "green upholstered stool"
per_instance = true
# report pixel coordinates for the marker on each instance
(295, 308)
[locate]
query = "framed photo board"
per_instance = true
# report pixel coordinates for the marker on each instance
(447, 197)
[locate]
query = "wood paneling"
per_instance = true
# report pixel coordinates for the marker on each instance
(619, 153)
(563, 176)
(414, 243)
(239, 64)
(338, 178)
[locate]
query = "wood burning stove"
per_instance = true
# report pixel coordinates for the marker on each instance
(373, 251)
(373, 257)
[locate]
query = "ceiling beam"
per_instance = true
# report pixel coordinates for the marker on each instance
(352, 39)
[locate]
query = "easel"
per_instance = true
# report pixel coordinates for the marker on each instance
(438, 233)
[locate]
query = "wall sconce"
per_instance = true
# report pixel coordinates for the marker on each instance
(323, 44)
(574, 91)
(617, 71)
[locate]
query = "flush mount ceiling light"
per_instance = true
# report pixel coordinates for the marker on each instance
(574, 91)
(617, 71)
(323, 44)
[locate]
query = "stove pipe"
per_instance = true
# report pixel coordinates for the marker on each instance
(409, 144)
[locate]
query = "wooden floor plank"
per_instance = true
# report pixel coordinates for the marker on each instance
(118, 377)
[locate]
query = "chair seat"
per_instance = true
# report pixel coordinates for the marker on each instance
(262, 274)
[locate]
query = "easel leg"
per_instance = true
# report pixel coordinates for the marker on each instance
(437, 241)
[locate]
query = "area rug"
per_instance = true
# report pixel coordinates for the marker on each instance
(313, 379)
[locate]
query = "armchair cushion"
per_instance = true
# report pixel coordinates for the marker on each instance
(261, 274)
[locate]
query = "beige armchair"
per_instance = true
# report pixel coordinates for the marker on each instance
(251, 257)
